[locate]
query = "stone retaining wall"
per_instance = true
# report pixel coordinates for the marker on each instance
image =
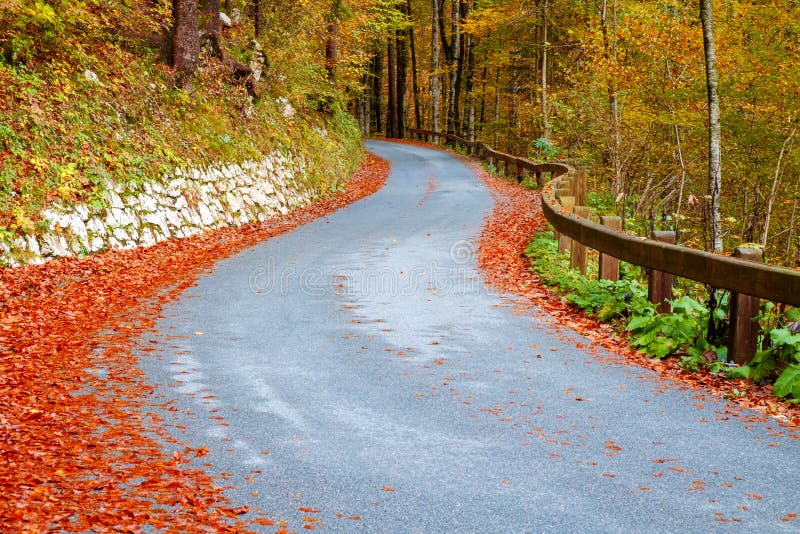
(181, 205)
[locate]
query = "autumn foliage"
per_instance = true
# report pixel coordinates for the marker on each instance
(81, 445)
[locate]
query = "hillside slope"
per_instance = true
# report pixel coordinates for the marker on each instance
(87, 105)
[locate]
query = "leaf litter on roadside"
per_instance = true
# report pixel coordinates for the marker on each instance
(77, 453)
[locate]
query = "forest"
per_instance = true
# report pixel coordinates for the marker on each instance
(621, 89)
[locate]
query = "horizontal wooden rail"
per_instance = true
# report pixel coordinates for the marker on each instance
(487, 153)
(747, 278)
(769, 282)
(764, 281)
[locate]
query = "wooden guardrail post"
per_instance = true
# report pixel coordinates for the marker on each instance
(609, 265)
(577, 259)
(659, 287)
(564, 242)
(579, 188)
(742, 309)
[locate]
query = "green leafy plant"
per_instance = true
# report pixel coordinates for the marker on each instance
(544, 149)
(666, 334)
(781, 355)
(602, 298)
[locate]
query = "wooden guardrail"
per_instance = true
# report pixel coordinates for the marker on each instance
(745, 275)
(512, 165)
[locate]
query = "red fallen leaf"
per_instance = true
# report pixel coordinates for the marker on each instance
(658, 475)
(609, 475)
(387, 488)
(677, 469)
(789, 517)
(664, 460)
(755, 496)
(354, 518)
(61, 319)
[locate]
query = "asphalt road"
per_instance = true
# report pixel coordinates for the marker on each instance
(358, 372)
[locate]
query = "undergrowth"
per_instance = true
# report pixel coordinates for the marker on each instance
(683, 332)
(86, 98)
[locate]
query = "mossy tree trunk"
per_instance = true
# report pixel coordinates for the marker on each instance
(185, 42)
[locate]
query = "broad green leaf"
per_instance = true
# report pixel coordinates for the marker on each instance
(788, 384)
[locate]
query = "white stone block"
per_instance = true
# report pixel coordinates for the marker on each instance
(96, 227)
(32, 245)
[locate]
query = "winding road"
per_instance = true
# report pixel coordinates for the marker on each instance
(357, 375)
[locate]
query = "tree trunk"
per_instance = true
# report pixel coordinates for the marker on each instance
(774, 190)
(401, 49)
(714, 128)
(185, 42)
(435, 91)
(212, 26)
(392, 79)
(332, 43)
(455, 61)
(258, 18)
(682, 186)
(496, 108)
(469, 102)
(610, 52)
(482, 118)
(377, 86)
(545, 120)
(414, 83)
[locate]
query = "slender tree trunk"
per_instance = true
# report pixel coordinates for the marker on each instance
(392, 79)
(185, 42)
(610, 52)
(681, 187)
(776, 180)
(401, 49)
(545, 119)
(496, 108)
(714, 128)
(482, 119)
(377, 86)
(455, 55)
(435, 91)
(415, 84)
(469, 101)
(258, 18)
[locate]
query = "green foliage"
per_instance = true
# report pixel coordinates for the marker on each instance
(782, 355)
(662, 335)
(544, 150)
(602, 298)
